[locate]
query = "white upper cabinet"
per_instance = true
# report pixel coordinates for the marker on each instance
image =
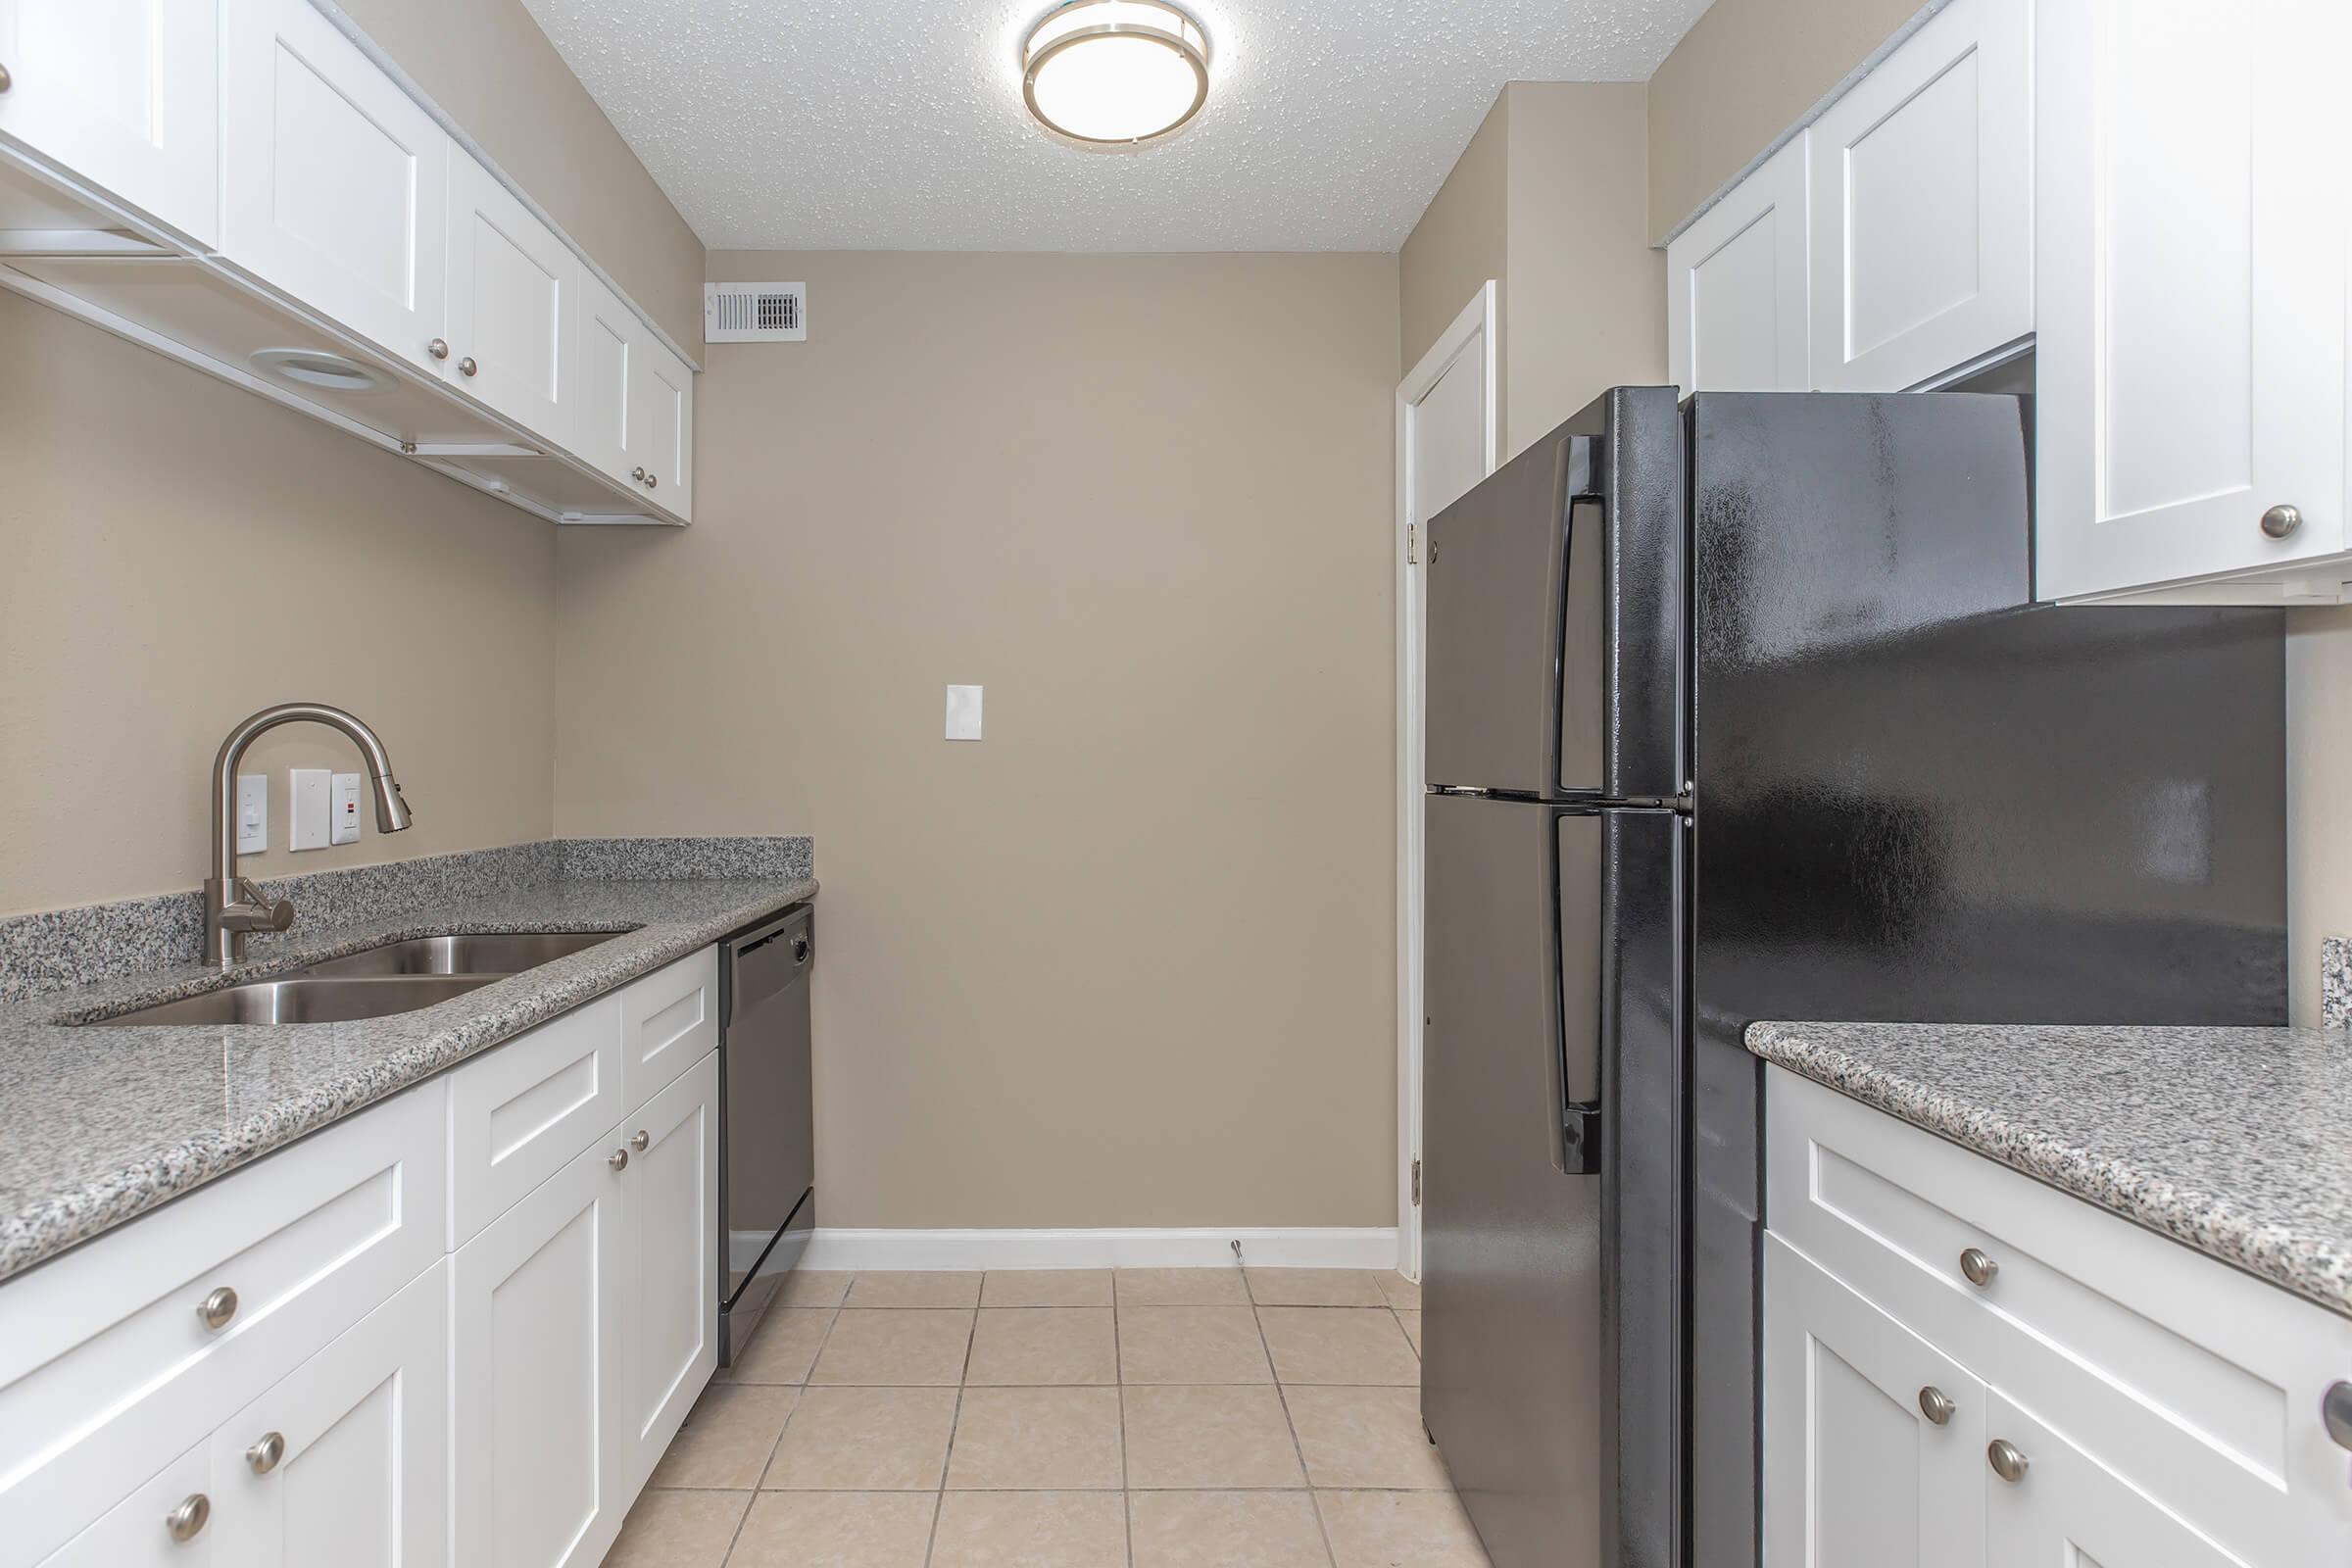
(512, 311)
(2191, 200)
(335, 179)
(1923, 206)
(604, 349)
(1736, 286)
(661, 427)
(124, 96)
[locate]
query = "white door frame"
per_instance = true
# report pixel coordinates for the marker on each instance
(1474, 327)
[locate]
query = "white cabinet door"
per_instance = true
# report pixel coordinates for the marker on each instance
(536, 1330)
(604, 353)
(2066, 1511)
(1855, 1473)
(2190, 351)
(1736, 286)
(345, 1463)
(123, 95)
(511, 315)
(520, 1114)
(139, 1531)
(1922, 204)
(333, 179)
(670, 1262)
(662, 426)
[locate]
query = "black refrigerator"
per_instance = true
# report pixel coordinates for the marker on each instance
(1737, 708)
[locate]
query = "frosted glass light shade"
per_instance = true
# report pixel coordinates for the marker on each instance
(1114, 73)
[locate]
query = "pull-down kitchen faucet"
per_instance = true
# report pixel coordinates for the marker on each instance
(233, 906)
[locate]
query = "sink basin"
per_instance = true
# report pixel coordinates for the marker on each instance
(494, 953)
(309, 1000)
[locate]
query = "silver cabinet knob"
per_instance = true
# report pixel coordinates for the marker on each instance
(187, 1521)
(1935, 1404)
(637, 474)
(218, 1308)
(1979, 1268)
(6, 80)
(438, 347)
(2282, 521)
(619, 1160)
(265, 1455)
(653, 481)
(468, 365)
(2008, 1461)
(640, 1138)
(2336, 1409)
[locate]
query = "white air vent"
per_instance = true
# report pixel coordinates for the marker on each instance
(755, 313)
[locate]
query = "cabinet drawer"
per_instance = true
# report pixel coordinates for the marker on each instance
(519, 1112)
(107, 1369)
(669, 1019)
(2196, 1383)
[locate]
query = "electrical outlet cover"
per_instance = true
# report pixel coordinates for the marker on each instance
(253, 813)
(306, 812)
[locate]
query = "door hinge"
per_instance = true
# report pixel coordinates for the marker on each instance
(1409, 558)
(1416, 1184)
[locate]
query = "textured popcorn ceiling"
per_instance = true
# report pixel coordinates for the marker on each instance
(898, 125)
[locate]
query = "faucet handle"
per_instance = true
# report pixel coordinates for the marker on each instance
(263, 915)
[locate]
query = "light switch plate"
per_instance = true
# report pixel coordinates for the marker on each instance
(306, 807)
(343, 803)
(253, 813)
(963, 713)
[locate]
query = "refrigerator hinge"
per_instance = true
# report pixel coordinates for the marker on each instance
(1408, 545)
(1416, 1183)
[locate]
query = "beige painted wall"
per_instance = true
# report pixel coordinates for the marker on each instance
(489, 66)
(1130, 959)
(1550, 201)
(1748, 70)
(178, 555)
(2319, 783)
(1584, 294)
(1460, 241)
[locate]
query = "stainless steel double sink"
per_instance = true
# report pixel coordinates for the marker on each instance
(374, 982)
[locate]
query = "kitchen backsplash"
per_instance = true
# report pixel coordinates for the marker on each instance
(54, 949)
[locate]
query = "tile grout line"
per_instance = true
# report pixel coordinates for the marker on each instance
(939, 1499)
(779, 1305)
(1282, 1394)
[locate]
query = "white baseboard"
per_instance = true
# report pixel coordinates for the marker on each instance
(1365, 1247)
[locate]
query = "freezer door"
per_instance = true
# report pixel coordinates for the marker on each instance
(1515, 597)
(1556, 664)
(1550, 1377)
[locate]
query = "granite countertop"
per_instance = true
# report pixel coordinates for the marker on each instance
(2234, 1141)
(110, 1122)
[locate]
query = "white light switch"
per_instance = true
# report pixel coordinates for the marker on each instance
(253, 813)
(343, 799)
(306, 809)
(963, 713)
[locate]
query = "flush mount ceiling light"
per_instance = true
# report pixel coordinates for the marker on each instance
(1114, 73)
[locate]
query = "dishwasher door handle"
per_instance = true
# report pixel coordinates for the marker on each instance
(769, 960)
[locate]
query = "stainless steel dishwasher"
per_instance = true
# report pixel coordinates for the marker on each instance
(767, 1131)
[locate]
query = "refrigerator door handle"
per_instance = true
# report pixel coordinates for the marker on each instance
(1576, 1136)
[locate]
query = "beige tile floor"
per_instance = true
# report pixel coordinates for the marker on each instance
(1146, 1418)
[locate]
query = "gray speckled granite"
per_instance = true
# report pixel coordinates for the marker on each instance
(2236, 1142)
(109, 1122)
(58, 949)
(664, 860)
(2335, 982)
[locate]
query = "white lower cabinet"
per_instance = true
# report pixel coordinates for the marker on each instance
(345, 1463)
(290, 1369)
(2066, 1510)
(1874, 1441)
(2114, 1397)
(670, 1312)
(536, 1305)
